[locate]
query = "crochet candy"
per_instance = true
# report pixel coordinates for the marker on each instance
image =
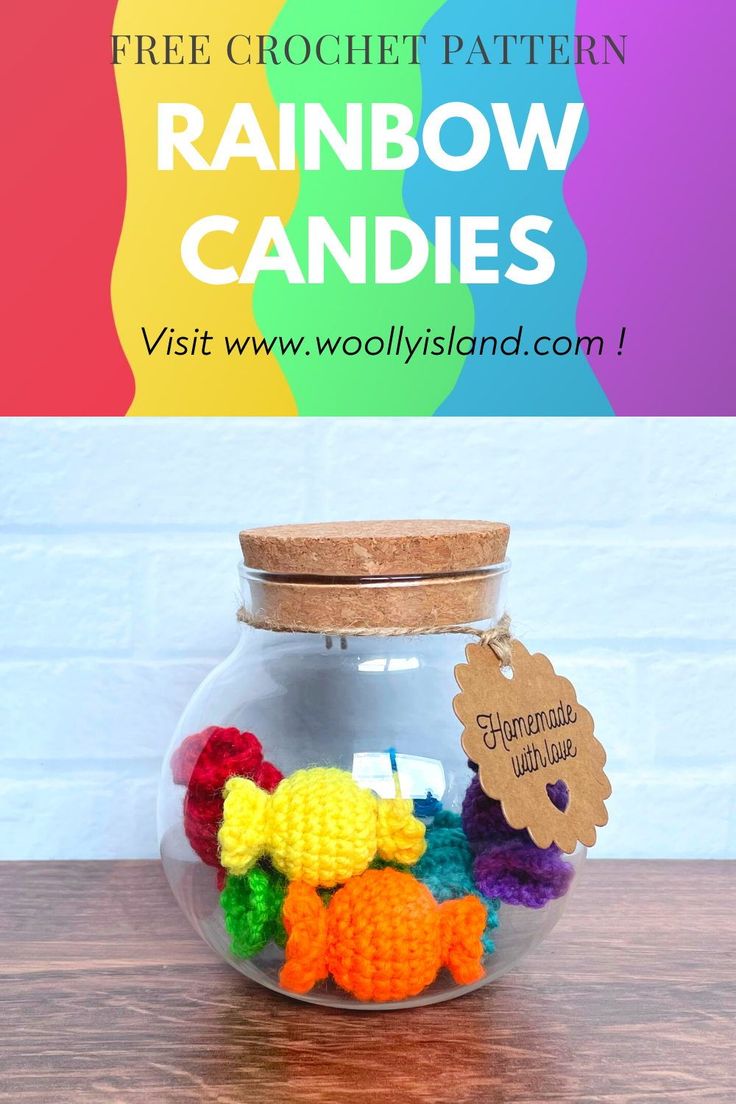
(521, 874)
(383, 937)
(203, 763)
(252, 906)
(319, 826)
(508, 864)
(446, 868)
(205, 760)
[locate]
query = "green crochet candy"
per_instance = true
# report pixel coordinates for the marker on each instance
(253, 904)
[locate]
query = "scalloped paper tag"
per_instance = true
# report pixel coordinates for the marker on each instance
(525, 733)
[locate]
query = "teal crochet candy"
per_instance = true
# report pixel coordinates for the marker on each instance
(252, 904)
(446, 868)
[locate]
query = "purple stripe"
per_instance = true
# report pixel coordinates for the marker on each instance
(651, 193)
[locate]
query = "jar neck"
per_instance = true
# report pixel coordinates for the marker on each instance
(335, 605)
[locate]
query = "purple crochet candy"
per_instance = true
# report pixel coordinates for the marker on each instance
(508, 864)
(521, 874)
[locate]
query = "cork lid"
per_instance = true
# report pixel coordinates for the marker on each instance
(361, 549)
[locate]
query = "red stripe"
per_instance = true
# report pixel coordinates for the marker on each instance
(63, 191)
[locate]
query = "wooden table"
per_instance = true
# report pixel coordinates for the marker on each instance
(107, 996)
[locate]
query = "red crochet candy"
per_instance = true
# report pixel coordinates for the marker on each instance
(204, 758)
(202, 816)
(203, 763)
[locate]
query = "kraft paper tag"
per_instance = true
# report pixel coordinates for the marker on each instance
(525, 733)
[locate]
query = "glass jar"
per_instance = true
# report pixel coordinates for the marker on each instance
(319, 822)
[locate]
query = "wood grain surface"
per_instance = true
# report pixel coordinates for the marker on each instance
(107, 996)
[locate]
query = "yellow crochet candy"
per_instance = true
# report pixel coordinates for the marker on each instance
(318, 826)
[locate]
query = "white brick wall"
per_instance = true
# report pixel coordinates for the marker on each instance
(118, 548)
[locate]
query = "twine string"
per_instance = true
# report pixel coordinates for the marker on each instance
(498, 638)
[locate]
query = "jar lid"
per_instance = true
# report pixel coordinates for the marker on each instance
(362, 549)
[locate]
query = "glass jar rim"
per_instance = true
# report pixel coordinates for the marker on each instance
(342, 604)
(248, 574)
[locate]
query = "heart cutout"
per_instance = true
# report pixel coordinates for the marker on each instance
(558, 794)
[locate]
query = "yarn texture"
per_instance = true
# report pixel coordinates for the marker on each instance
(446, 868)
(203, 763)
(508, 864)
(520, 874)
(382, 937)
(252, 905)
(319, 827)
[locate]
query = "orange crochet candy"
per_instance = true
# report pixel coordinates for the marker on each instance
(383, 937)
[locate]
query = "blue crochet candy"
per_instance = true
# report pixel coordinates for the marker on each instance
(446, 868)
